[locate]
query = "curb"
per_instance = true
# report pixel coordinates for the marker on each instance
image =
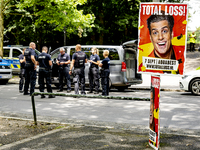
(93, 96)
(162, 89)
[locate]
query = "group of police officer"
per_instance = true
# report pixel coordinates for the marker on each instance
(29, 60)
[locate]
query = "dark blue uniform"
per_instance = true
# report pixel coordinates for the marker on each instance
(22, 73)
(44, 68)
(79, 71)
(105, 72)
(94, 73)
(64, 71)
(30, 73)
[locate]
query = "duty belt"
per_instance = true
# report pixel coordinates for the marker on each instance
(42, 68)
(78, 68)
(93, 67)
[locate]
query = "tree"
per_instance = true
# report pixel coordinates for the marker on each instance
(1, 27)
(57, 14)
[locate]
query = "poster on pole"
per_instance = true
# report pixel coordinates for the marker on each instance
(162, 38)
(154, 120)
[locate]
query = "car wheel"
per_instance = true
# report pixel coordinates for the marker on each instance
(3, 81)
(195, 87)
(121, 88)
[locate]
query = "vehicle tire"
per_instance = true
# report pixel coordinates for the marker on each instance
(3, 82)
(195, 87)
(121, 88)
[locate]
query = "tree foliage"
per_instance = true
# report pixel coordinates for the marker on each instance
(33, 16)
(43, 21)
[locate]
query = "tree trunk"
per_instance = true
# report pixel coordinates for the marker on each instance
(101, 18)
(1, 28)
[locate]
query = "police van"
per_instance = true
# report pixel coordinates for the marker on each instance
(11, 55)
(123, 63)
(5, 71)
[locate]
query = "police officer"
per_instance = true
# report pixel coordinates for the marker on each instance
(22, 71)
(30, 68)
(79, 59)
(105, 72)
(45, 64)
(62, 61)
(94, 71)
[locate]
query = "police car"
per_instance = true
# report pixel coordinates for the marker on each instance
(11, 55)
(5, 71)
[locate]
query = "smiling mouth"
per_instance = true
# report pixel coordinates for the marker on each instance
(161, 43)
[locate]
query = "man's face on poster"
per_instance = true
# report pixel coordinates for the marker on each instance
(161, 36)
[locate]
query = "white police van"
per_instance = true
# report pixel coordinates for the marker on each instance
(5, 71)
(11, 55)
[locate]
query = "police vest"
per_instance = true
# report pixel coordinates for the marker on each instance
(80, 60)
(27, 54)
(192, 38)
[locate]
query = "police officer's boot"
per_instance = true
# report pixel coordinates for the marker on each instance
(42, 96)
(90, 92)
(96, 92)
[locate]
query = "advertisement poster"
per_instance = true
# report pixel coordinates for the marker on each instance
(154, 120)
(162, 38)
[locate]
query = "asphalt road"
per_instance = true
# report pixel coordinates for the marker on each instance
(178, 110)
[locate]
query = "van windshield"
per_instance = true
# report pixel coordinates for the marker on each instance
(6, 52)
(113, 54)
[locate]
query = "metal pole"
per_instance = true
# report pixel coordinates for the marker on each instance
(156, 0)
(34, 111)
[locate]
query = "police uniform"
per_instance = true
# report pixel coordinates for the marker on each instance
(105, 72)
(30, 72)
(64, 71)
(192, 42)
(94, 74)
(22, 73)
(44, 68)
(79, 71)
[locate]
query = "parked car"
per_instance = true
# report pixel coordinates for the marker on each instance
(123, 63)
(11, 55)
(191, 82)
(5, 71)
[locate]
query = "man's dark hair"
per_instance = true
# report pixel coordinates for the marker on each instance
(157, 18)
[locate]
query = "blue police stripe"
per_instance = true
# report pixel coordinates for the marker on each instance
(15, 66)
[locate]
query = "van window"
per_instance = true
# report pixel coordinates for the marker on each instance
(86, 50)
(6, 52)
(16, 53)
(55, 55)
(113, 54)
